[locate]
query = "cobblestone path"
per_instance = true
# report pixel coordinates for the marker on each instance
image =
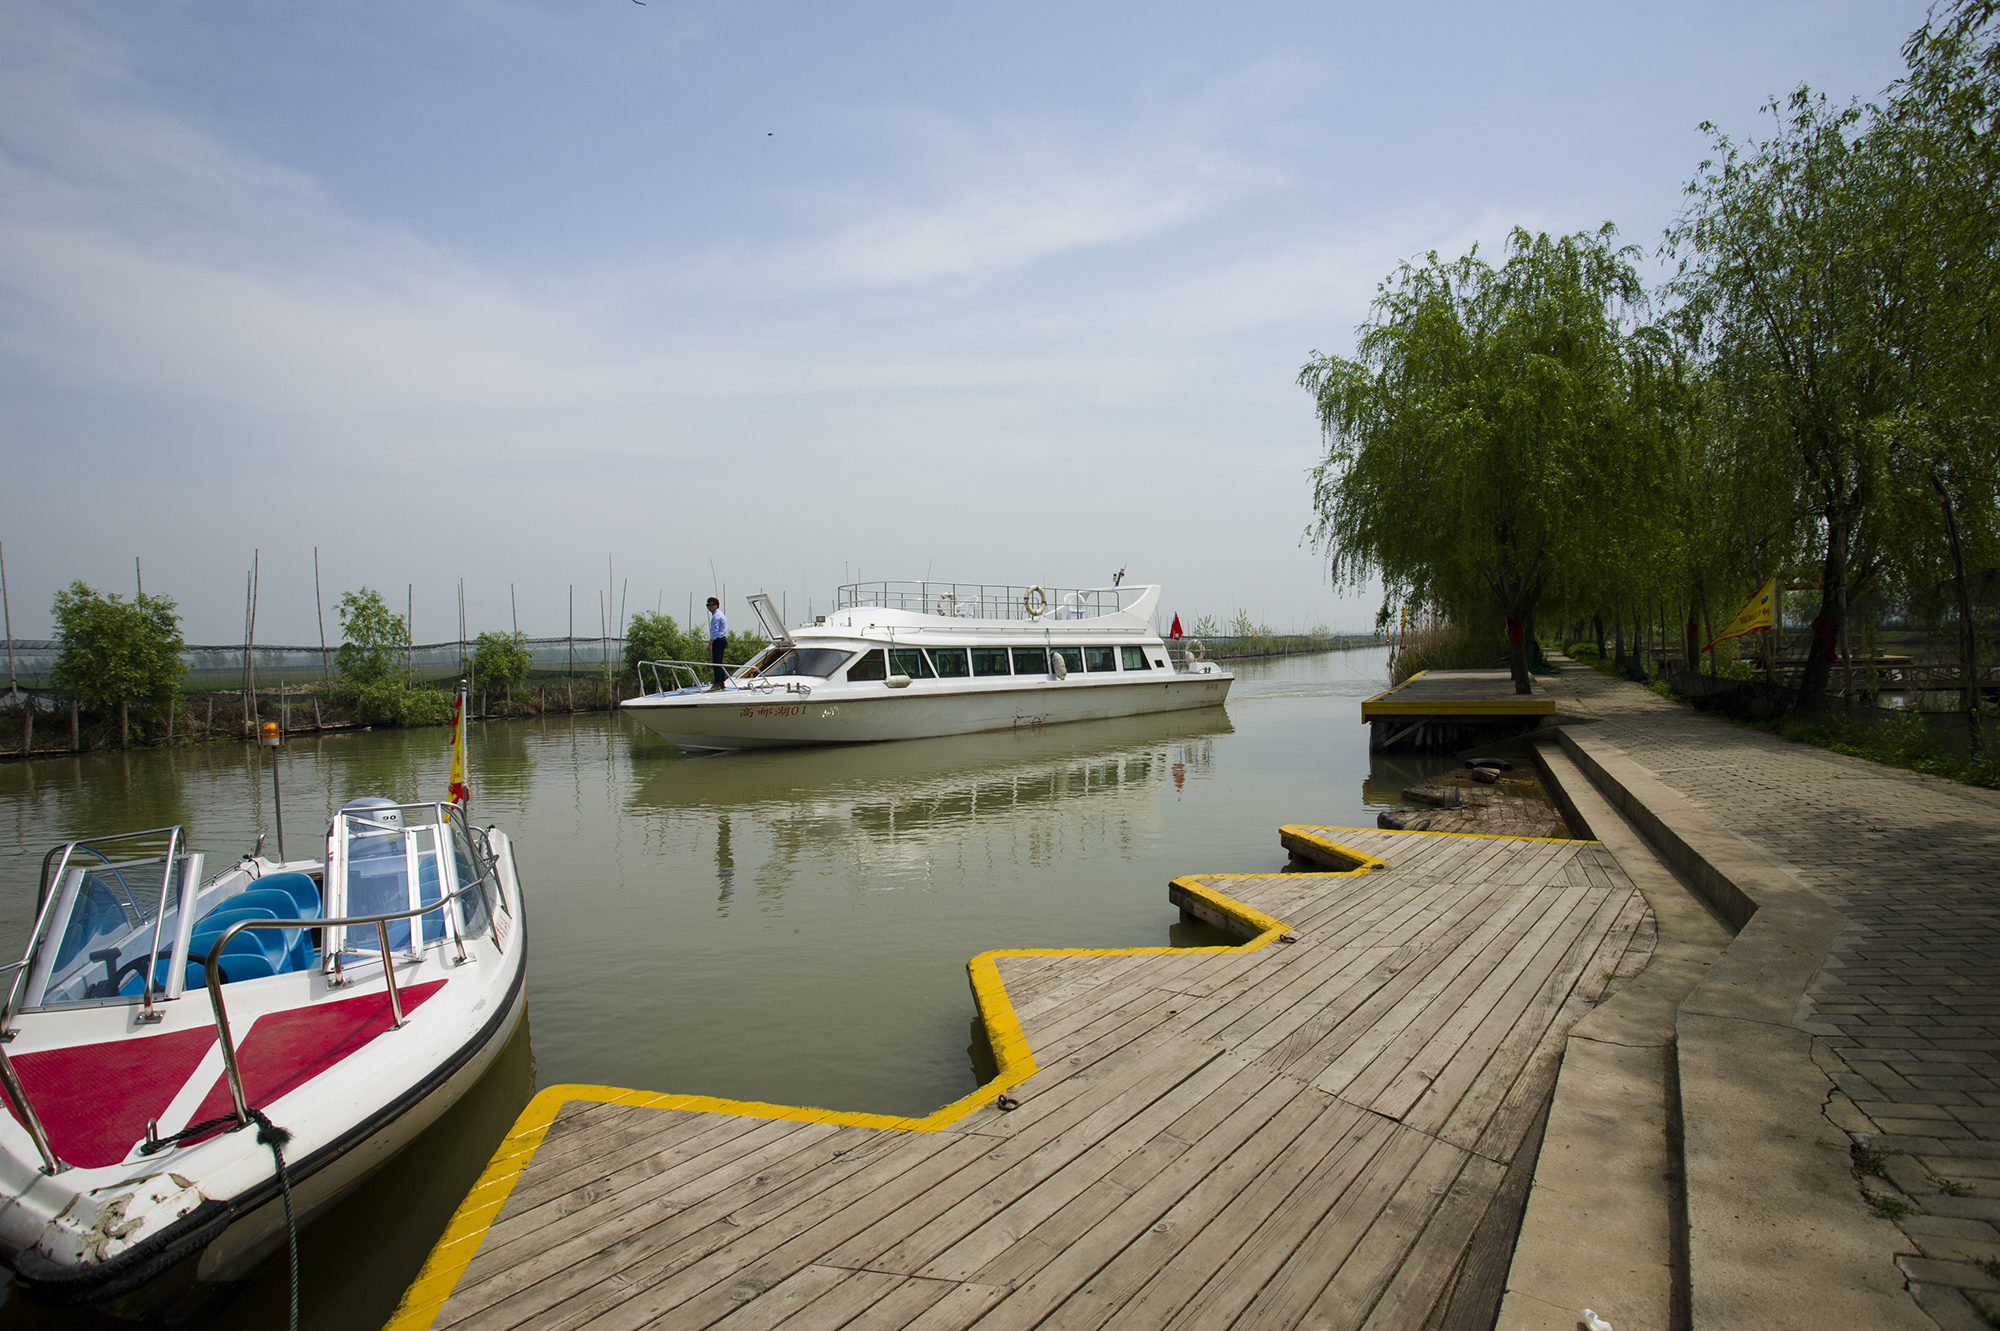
(1907, 1008)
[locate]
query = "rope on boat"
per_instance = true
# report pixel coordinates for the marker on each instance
(271, 1135)
(268, 1134)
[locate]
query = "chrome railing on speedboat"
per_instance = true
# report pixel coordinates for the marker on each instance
(983, 600)
(674, 676)
(686, 676)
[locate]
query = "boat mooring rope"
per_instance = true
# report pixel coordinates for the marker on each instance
(268, 1134)
(275, 1137)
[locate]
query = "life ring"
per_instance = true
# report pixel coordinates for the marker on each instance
(1036, 602)
(1195, 651)
(951, 597)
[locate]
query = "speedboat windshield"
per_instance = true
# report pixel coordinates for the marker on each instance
(815, 662)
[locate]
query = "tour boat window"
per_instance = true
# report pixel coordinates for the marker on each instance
(1135, 657)
(908, 661)
(989, 661)
(816, 662)
(950, 662)
(1100, 658)
(868, 665)
(1071, 656)
(1031, 661)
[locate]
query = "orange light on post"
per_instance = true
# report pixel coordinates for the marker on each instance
(270, 736)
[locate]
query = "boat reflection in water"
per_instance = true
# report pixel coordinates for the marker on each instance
(889, 811)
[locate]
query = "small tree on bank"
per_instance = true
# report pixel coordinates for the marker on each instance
(656, 637)
(118, 653)
(373, 662)
(501, 660)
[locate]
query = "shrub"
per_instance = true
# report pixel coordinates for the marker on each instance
(501, 660)
(116, 653)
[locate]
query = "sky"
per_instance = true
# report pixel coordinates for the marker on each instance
(774, 296)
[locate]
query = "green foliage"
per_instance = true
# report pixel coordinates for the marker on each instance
(500, 660)
(1902, 741)
(743, 646)
(116, 651)
(1483, 428)
(396, 702)
(377, 640)
(373, 662)
(1205, 627)
(655, 637)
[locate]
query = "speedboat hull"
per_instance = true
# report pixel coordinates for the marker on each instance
(162, 1199)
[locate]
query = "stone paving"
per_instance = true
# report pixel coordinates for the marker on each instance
(1906, 1009)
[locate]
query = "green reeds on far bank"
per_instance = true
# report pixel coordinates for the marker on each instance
(1443, 645)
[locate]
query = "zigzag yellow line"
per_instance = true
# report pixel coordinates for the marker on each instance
(454, 1250)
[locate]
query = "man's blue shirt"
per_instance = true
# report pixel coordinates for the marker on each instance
(718, 626)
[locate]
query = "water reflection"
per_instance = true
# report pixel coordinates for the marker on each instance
(886, 812)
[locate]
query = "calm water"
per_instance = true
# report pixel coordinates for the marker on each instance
(790, 927)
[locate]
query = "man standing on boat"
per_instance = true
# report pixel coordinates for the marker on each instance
(718, 639)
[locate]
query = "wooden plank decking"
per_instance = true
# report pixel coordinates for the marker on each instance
(1314, 1128)
(1457, 693)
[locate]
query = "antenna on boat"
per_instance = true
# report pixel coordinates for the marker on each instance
(271, 739)
(1118, 577)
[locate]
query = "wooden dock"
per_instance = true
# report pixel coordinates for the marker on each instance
(1451, 708)
(1331, 1124)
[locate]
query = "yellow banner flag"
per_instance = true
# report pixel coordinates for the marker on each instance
(1753, 618)
(460, 795)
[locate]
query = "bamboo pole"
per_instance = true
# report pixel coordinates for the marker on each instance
(319, 612)
(6, 610)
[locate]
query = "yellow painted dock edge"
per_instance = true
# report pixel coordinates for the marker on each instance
(1315, 846)
(454, 1250)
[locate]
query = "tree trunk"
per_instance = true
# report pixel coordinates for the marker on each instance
(75, 737)
(1618, 632)
(1708, 630)
(1597, 626)
(1520, 615)
(124, 726)
(1968, 646)
(1825, 630)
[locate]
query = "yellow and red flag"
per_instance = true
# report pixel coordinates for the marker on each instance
(1755, 617)
(460, 794)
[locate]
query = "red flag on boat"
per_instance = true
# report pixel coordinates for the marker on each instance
(1175, 631)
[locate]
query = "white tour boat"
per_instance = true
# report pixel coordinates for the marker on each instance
(163, 1019)
(899, 660)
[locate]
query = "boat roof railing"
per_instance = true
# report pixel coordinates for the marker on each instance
(988, 600)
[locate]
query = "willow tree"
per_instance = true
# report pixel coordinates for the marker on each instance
(1475, 441)
(1799, 290)
(1939, 140)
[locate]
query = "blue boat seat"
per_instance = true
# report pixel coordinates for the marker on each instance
(283, 906)
(301, 889)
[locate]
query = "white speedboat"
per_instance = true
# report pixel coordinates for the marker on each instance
(162, 1019)
(911, 660)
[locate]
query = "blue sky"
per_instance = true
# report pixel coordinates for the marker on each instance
(495, 290)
